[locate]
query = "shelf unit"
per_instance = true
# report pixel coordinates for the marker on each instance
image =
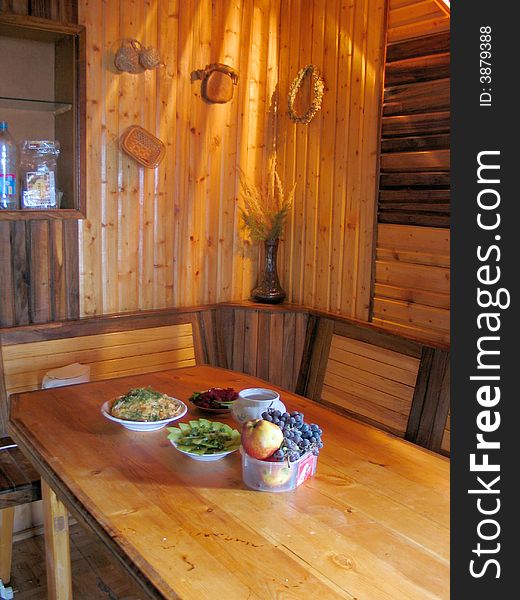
(42, 96)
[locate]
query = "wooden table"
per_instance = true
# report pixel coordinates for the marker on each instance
(372, 524)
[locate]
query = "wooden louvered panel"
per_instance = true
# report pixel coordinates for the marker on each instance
(422, 97)
(370, 382)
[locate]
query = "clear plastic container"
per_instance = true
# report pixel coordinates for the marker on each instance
(38, 174)
(266, 476)
(8, 169)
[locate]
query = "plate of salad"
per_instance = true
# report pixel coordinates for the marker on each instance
(204, 440)
(215, 400)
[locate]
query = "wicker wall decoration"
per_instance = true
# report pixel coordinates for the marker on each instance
(318, 87)
(217, 82)
(133, 57)
(142, 146)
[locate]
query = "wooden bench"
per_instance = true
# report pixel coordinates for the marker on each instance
(113, 346)
(361, 370)
(397, 384)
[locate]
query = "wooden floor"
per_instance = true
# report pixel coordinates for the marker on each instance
(94, 575)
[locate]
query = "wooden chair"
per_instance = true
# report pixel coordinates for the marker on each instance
(19, 484)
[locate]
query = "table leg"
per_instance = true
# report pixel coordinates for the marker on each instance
(6, 542)
(57, 546)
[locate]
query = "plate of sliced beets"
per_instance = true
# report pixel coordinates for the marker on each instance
(215, 400)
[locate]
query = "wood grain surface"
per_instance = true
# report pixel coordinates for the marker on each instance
(372, 523)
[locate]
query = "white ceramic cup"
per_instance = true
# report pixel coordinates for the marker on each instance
(252, 402)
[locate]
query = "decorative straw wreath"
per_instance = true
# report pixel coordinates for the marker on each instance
(318, 87)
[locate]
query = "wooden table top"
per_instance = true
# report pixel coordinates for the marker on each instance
(372, 524)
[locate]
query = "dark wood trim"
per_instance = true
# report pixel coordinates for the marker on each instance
(224, 333)
(315, 357)
(430, 402)
(378, 338)
(96, 325)
(3, 394)
(362, 326)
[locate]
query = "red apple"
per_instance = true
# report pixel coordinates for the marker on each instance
(260, 438)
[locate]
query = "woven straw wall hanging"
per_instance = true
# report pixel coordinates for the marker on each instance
(318, 87)
(218, 81)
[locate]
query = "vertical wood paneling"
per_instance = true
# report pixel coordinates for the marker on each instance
(262, 342)
(172, 236)
(329, 241)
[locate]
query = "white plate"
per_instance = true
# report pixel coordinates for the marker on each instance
(143, 425)
(204, 457)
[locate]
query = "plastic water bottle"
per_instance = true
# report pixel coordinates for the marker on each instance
(8, 169)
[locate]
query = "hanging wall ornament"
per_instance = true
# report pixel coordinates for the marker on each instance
(149, 58)
(318, 87)
(133, 57)
(127, 57)
(217, 82)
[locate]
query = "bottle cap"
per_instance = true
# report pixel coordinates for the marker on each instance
(3, 125)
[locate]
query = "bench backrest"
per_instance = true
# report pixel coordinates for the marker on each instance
(113, 347)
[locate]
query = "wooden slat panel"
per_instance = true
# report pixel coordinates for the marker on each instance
(418, 68)
(327, 254)
(276, 347)
(401, 180)
(433, 160)
(416, 12)
(423, 46)
(112, 368)
(414, 239)
(108, 354)
(375, 413)
(383, 355)
(426, 97)
(21, 270)
(369, 393)
(7, 312)
(424, 142)
(373, 366)
(369, 380)
(415, 124)
(423, 277)
(40, 283)
(382, 290)
(100, 340)
(415, 218)
(411, 312)
(414, 195)
(413, 331)
(409, 256)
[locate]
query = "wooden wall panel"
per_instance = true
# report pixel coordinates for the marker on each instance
(414, 18)
(171, 237)
(412, 281)
(327, 253)
(268, 343)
